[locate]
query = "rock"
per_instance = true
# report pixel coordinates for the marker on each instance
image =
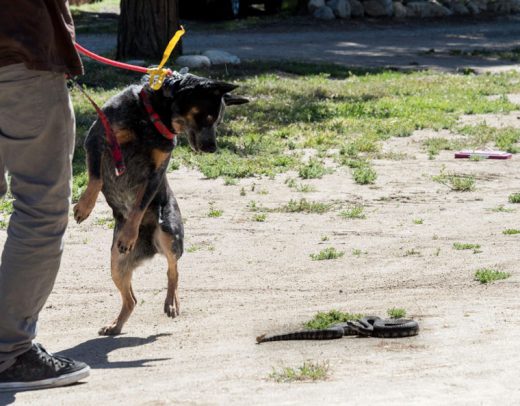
(356, 8)
(458, 8)
(340, 8)
(499, 7)
(378, 8)
(481, 4)
(426, 10)
(324, 13)
(473, 8)
(193, 61)
(314, 5)
(218, 57)
(399, 10)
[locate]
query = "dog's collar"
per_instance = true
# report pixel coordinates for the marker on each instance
(154, 117)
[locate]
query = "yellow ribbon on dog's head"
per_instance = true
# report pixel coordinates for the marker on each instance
(158, 74)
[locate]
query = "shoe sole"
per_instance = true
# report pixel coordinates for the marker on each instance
(62, 380)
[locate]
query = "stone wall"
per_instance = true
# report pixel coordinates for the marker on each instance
(344, 9)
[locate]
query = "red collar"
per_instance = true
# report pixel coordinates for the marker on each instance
(154, 117)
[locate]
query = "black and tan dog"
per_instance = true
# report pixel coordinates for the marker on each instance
(147, 217)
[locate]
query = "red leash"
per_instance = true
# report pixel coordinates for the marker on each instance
(155, 119)
(111, 139)
(110, 62)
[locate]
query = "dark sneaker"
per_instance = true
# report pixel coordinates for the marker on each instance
(39, 369)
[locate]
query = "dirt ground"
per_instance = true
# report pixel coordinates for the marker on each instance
(248, 278)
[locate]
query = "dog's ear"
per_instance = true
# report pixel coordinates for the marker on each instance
(230, 99)
(223, 87)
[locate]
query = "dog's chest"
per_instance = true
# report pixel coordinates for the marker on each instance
(121, 191)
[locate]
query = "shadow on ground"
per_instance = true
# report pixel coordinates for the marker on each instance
(95, 352)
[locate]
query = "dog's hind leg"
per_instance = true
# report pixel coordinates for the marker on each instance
(165, 242)
(122, 270)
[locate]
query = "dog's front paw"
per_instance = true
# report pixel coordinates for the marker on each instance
(83, 209)
(171, 309)
(126, 240)
(110, 330)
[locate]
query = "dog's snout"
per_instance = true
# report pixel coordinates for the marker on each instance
(209, 148)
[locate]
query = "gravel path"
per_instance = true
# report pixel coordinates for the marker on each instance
(405, 45)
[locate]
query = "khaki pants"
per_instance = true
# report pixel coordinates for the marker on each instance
(36, 144)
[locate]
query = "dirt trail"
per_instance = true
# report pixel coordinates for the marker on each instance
(243, 278)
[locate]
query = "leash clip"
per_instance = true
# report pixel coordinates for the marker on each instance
(157, 76)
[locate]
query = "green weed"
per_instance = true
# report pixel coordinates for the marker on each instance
(396, 313)
(260, 217)
(309, 371)
(464, 246)
(486, 275)
(327, 253)
(412, 252)
(354, 212)
(305, 206)
(107, 222)
(502, 209)
(326, 319)
(511, 231)
(364, 175)
(6, 206)
(312, 170)
(418, 221)
(459, 183)
(213, 212)
(514, 198)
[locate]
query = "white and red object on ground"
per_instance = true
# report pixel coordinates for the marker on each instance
(484, 154)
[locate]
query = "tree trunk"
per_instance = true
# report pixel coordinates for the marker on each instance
(301, 8)
(145, 28)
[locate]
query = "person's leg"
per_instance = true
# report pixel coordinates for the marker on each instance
(36, 144)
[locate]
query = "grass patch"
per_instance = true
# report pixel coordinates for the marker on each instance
(299, 187)
(260, 217)
(412, 252)
(314, 169)
(230, 181)
(354, 212)
(327, 253)
(364, 175)
(511, 231)
(486, 275)
(502, 209)
(214, 212)
(418, 221)
(305, 206)
(298, 105)
(198, 247)
(396, 313)
(326, 319)
(514, 198)
(465, 246)
(106, 222)
(6, 206)
(309, 371)
(456, 182)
